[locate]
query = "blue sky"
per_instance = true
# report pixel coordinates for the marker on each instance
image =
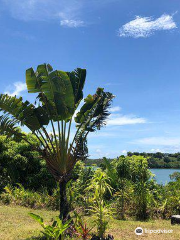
(131, 48)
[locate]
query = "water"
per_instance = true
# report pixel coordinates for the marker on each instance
(162, 175)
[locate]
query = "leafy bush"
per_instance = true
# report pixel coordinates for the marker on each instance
(76, 188)
(98, 187)
(55, 231)
(140, 175)
(19, 196)
(19, 163)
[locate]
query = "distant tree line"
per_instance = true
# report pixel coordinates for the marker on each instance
(155, 160)
(160, 160)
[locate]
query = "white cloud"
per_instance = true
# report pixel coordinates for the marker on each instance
(100, 153)
(124, 152)
(28, 9)
(119, 120)
(159, 141)
(72, 23)
(146, 26)
(156, 150)
(103, 152)
(18, 87)
(115, 109)
(43, 10)
(102, 134)
(116, 119)
(98, 150)
(67, 12)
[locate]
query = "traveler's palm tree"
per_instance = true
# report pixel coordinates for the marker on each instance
(59, 94)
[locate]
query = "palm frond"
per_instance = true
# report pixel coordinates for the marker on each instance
(9, 127)
(80, 150)
(57, 89)
(94, 112)
(24, 112)
(77, 78)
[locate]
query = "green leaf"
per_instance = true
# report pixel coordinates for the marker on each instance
(31, 81)
(55, 90)
(37, 218)
(93, 114)
(77, 78)
(9, 127)
(24, 112)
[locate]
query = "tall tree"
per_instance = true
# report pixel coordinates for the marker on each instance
(59, 94)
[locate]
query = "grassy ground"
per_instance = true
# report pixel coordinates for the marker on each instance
(15, 224)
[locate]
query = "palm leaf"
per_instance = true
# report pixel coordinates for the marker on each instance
(77, 78)
(55, 89)
(80, 151)
(24, 112)
(9, 127)
(94, 112)
(37, 218)
(111, 172)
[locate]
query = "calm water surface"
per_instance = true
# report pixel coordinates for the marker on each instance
(162, 175)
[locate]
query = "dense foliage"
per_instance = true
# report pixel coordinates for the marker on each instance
(20, 163)
(122, 188)
(124, 184)
(28, 198)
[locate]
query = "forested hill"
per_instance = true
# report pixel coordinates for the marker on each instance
(155, 160)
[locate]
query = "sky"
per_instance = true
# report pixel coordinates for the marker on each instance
(130, 48)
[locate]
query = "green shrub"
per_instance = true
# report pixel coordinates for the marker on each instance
(19, 196)
(19, 163)
(98, 186)
(55, 231)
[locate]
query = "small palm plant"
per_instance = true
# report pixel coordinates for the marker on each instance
(124, 185)
(99, 185)
(59, 94)
(140, 175)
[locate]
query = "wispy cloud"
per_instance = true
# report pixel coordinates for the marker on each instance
(99, 152)
(117, 119)
(124, 152)
(115, 109)
(17, 88)
(72, 23)
(146, 26)
(156, 150)
(23, 35)
(158, 141)
(101, 134)
(43, 10)
(69, 13)
(120, 120)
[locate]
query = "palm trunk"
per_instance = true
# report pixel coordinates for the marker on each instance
(64, 206)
